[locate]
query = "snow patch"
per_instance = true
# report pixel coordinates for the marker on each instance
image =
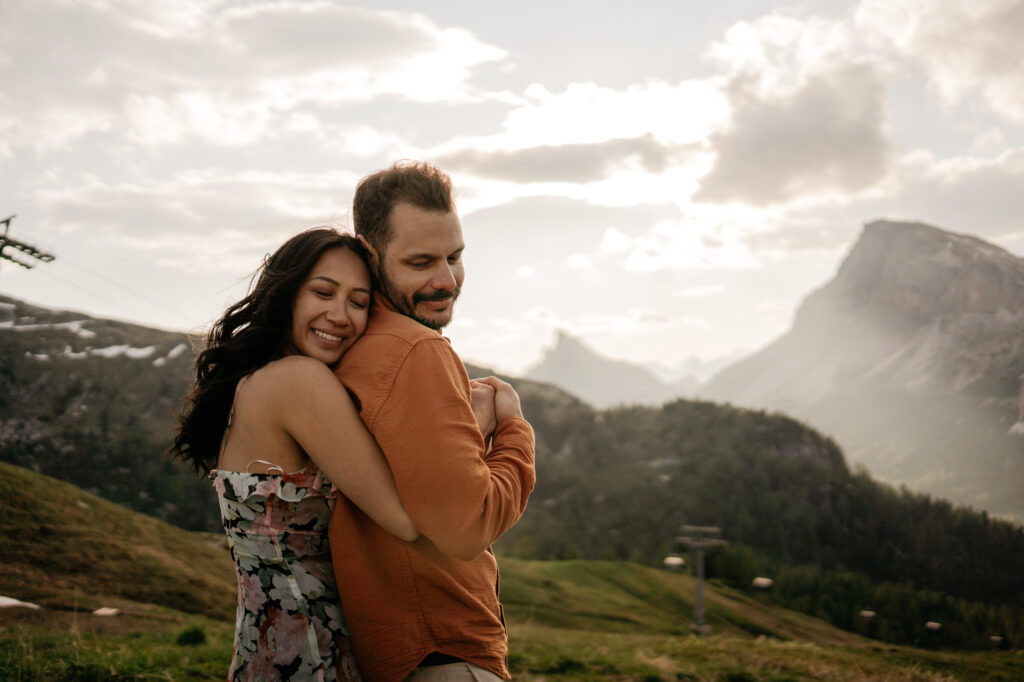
(122, 349)
(68, 353)
(76, 327)
(6, 602)
(173, 353)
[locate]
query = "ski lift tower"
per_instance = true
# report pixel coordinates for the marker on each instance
(21, 247)
(700, 539)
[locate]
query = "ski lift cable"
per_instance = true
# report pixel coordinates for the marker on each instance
(118, 304)
(122, 287)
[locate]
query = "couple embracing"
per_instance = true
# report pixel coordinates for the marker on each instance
(362, 477)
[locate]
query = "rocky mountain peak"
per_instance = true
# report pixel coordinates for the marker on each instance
(911, 273)
(913, 357)
(601, 381)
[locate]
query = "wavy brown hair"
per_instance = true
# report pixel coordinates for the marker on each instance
(250, 334)
(418, 183)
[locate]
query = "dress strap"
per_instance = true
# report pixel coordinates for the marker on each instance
(231, 418)
(270, 466)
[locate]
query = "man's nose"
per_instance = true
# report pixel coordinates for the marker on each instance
(444, 278)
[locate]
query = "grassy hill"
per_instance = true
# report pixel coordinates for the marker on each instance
(71, 552)
(64, 548)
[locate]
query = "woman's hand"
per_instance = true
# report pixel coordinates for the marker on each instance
(506, 400)
(482, 399)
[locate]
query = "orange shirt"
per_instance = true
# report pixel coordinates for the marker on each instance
(404, 600)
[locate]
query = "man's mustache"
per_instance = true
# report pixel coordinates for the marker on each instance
(439, 295)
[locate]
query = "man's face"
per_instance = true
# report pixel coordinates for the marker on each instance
(420, 270)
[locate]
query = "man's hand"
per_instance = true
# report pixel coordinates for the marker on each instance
(506, 400)
(482, 399)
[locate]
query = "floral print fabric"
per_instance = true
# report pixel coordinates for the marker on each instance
(289, 624)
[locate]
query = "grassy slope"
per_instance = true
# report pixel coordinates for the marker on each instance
(63, 546)
(72, 552)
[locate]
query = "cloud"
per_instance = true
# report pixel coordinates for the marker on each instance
(681, 113)
(579, 261)
(972, 194)
(577, 163)
(225, 75)
(962, 46)
(702, 291)
(191, 218)
(808, 115)
(615, 241)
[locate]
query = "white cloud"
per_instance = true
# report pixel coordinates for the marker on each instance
(808, 114)
(159, 72)
(579, 261)
(693, 242)
(963, 46)
(615, 241)
(196, 217)
(586, 113)
(699, 291)
(526, 271)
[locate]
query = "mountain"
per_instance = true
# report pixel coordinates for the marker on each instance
(912, 357)
(603, 382)
(92, 401)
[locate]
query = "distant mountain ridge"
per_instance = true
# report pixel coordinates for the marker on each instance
(912, 356)
(90, 401)
(601, 381)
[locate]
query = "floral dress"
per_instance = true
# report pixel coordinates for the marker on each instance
(289, 624)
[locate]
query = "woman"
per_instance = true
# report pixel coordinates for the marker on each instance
(279, 436)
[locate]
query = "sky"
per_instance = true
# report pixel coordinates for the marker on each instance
(664, 179)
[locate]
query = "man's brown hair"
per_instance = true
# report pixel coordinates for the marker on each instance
(418, 183)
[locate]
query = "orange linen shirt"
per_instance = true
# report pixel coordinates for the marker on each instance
(402, 600)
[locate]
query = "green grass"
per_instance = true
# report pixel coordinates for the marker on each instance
(137, 647)
(575, 620)
(568, 620)
(66, 549)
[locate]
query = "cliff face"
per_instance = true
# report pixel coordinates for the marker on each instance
(913, 357)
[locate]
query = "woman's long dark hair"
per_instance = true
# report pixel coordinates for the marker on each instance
(249, 335)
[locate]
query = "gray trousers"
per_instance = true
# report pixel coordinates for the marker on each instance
(452, 672)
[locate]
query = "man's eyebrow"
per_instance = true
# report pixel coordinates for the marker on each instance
(419, 255)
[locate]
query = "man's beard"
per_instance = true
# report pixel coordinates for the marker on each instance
(408, 307)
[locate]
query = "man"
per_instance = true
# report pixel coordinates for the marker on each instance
(430, 606)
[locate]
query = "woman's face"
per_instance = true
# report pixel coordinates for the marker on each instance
(331, 307)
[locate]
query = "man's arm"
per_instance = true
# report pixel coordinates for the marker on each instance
(458, 497)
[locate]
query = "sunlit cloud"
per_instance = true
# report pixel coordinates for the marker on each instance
(964, 47)
(808, 115)
(579, 261)
(159, 74)
(198, 212)
(614, 241)
(699, 291)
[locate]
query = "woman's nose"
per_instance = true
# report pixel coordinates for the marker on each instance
(338, 314)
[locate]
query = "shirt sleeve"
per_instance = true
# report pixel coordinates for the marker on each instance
(459, 496)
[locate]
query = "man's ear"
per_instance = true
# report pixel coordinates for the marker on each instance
(374, 256)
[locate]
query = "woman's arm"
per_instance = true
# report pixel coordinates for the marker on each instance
(316, 411)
